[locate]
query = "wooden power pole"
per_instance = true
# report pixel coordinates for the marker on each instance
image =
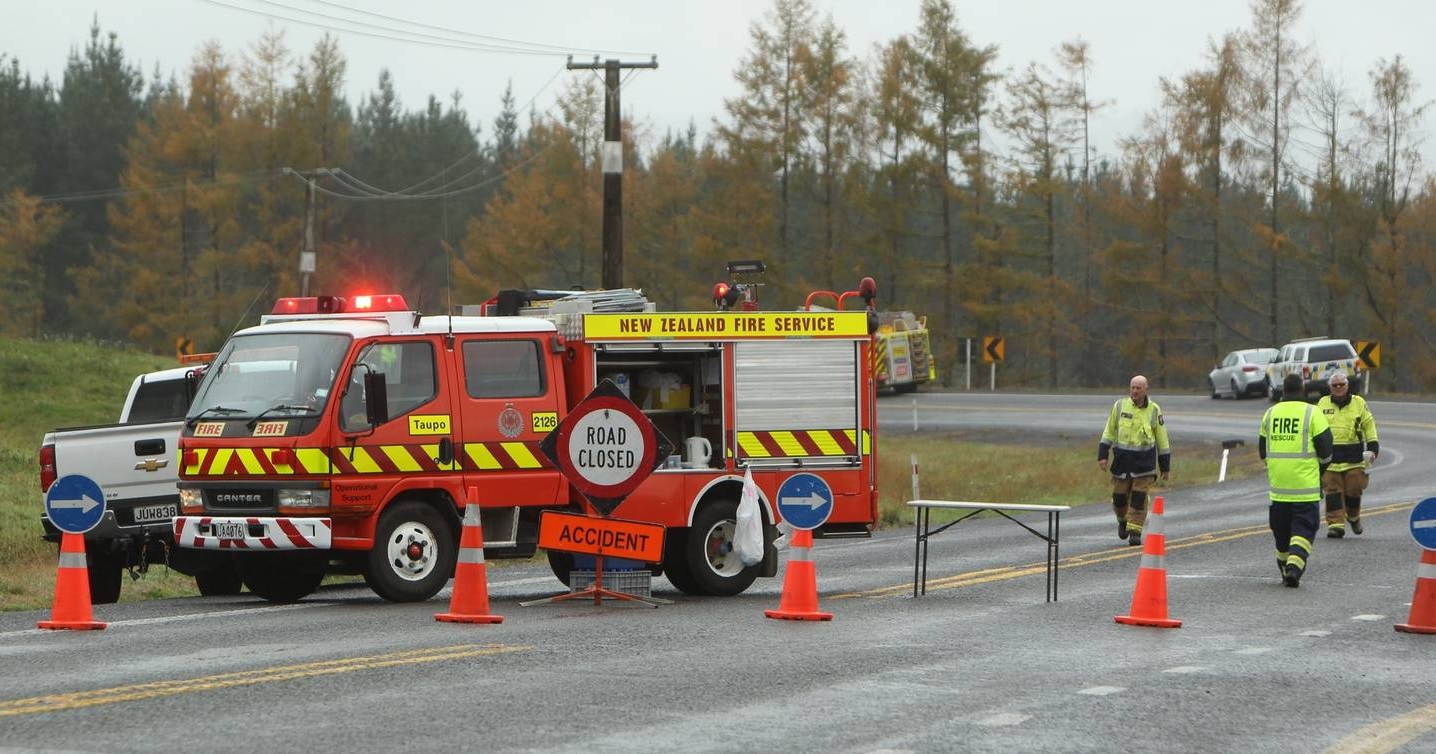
(612, 166)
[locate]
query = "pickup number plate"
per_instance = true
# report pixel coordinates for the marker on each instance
(230, 529)
(147, 513)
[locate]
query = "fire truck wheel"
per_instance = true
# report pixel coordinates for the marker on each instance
(105, 573)
(220, 581)
(675, 562)
(415, 549)
(715, 567)
(281, 576)
(561, 563)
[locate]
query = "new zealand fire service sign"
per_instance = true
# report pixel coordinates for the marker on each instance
(606, 447)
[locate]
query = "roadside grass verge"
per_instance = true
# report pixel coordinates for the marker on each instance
(1014, 469)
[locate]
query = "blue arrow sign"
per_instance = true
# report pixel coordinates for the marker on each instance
(75, 504)
(1423, 523)
(805, 501)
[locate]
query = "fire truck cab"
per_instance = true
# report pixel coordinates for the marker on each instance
(340, 436)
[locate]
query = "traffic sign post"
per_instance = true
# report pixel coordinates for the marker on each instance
(605, 448)
(75, 504)
(805, 500)
(993, 351)
(1423, 523)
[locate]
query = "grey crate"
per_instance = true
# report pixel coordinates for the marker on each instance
(636, 583)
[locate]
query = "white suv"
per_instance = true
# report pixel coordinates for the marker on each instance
(1316, 360)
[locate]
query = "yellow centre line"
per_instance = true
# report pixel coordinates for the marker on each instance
(1389, 734)
(135, 692)
(989, 575)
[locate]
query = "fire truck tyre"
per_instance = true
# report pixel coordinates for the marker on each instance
(710, 558)
(675, 562)
(561, 563)
(104, 571)
(222, 580)
(281, 576)
(415, 549)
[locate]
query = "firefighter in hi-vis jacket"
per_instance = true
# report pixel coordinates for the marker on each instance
(1353, 435)
(1136, 439)
(1295, 442)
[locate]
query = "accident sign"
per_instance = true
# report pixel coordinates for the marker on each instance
(609, 537)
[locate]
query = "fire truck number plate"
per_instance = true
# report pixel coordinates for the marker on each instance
(230, 529)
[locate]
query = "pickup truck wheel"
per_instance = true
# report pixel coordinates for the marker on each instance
(709, 554)
(415, 549)
(105, 575)
(281, 576)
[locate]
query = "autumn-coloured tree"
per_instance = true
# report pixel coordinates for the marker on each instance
(1205, 105)
(893, 115)
(26, 228)
(1039, 120)
(952, 72)
(1277, 66)
(536, 231)
(832, 127)
(768, 123)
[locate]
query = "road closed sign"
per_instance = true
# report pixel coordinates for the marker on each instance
(606, 447)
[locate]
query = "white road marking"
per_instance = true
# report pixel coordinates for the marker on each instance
(1253, 650)
(1368, 617)
(1003, 719)
(177, 618)
(1103, 690)
(1185, 669)
(1317, 634)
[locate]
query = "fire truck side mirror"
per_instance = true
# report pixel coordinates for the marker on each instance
(376, 398)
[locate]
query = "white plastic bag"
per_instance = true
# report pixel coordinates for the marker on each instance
(748, 533)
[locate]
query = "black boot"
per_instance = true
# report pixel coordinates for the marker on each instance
(1119, 507)
(1353, 513)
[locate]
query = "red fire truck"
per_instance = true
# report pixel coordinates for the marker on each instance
(339, 436)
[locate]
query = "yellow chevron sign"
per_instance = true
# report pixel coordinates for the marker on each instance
(1369, 351)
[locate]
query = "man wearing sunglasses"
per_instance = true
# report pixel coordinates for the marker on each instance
(1353, 432)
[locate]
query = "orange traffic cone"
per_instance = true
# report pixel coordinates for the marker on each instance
(1149, 601)
(800, 583)
(72, 589)
(1423, 603)
(470, 603)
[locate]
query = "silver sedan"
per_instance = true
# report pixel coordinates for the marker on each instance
(1242, 373)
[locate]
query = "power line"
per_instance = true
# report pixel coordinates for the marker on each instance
(115, 193)
(555, 48)
(389, 33)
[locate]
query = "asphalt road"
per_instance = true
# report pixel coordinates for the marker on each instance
(980, 664)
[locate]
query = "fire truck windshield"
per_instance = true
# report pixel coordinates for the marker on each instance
(254, 373)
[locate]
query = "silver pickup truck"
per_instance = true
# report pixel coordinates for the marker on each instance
(134, 463)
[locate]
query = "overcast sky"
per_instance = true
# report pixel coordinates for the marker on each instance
(700, 45)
